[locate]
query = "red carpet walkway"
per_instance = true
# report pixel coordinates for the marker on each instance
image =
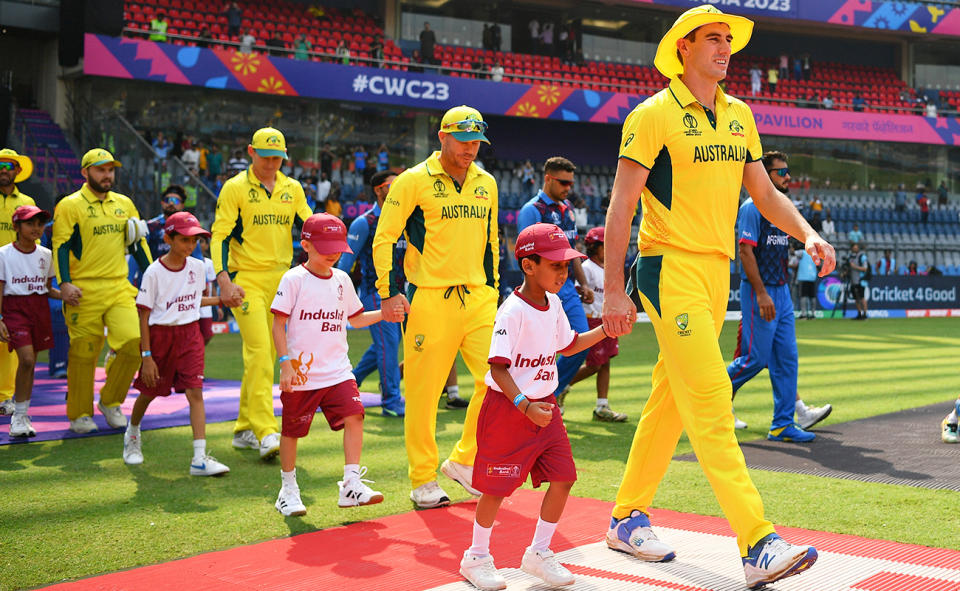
(421, 550)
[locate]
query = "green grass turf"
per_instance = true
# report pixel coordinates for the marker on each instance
(71, 509)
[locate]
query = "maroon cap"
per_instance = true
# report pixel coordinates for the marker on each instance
(184, 223)
(326, 233)
(545, 240)
(594, 235)
(26, 212)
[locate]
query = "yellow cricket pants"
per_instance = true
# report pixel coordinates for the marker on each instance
(8, 372)
(441, 322)
(686, 297)
(256, 324)
(109, 303)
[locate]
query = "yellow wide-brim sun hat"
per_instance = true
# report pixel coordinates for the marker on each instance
(26, 165)
(667, 61)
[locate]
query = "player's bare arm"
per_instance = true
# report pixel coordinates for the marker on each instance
(52, 291)
(365, 319)
(279, 331)
(750, 268)
(148, 367)
(540, 413)
(619, 313)
(584, 341)
(776, 207)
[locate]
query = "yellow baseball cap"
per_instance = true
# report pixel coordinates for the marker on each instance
(667, 61)
(26, 165)
(465, 124)
(270, 142)
(98, 156)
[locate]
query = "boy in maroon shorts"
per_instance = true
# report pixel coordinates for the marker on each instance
(171, 294)
(313, 303)
(520, 430)
(26, 270)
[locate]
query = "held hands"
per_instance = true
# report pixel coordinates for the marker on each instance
(232, 294)
(70, 294)
(541, 413)
(619, 314)
(149, 372)
(822, 254)
(394, 308)
(286, 376)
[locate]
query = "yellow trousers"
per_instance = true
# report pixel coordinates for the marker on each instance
(109, 303)
(259, 355)
(686, 297)
(8, 372)
(442, 322)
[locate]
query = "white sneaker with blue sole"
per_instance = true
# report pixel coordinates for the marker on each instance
(772, 559)
(207, 466)
(634, 536)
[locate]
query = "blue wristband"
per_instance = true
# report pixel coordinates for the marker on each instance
(146, 354)
(516, 401)
(283, 358)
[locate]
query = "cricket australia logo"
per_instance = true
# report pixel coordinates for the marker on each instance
(119, 212)
(418, 342)
(690, 122)
(245, 307)
(481, 193)
(254, 196)
(682, 321)
(286, 197)
(735, 128)
(439, 189)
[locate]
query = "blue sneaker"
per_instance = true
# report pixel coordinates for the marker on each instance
(394, 409)
(790, 434)
(772, 559)
(634, 536)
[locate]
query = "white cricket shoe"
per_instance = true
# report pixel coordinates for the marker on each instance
(245, 440)
(481, 573)
(546, 566)
(289, 503)
(354, 491)
(207, 466)
(772, 559)
(738, 423)
(132, 450)
(20, 426)
(633, 535)
(7, 407)
(83, 424)
(461, 474)
(808, 416)
(429, 495)
(270, 446)
(113, 414)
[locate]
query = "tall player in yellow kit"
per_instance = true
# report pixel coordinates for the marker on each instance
(447, 208)
(14, 169)
(251, 248)
(685, 153)
(90, 235)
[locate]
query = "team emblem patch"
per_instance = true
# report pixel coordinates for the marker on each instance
(690, 122)
(286, 197)
(503, 470)
(91, 212)
(481, 193)
(340, 293)
(301, 369)
(245, 307)
(119, 212)
(736, 128)
(682, 321)
(439, 189)
(254, 196)
(418, 342)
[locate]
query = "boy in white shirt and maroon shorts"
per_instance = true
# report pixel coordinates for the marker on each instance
(520, 430)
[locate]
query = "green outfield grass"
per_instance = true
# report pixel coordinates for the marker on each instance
(71, 509)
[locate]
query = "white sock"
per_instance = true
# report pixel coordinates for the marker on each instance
(133, 430)
(481, 540)
(602, 403)
(21, 408)
(199, 448)
(289, 479)
(453, 391)
(543, 535)
(350, 470)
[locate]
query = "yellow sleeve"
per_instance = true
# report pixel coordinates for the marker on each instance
(397, 207)
(66, 234)
(224, 222)
(642, 137)
(754, 149)
(493, 240)
(140, 249)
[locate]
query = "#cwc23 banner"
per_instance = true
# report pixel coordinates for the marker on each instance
(219, 68)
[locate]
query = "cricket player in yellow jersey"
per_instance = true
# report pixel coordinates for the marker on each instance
(685, 153)
(14, 169)
(447, 208)
(251, 248)
(92, 232)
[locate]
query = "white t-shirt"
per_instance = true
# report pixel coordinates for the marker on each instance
(526, 337)
(317, 309)
(25, 273)
(211, 276)
(172, 295)
(593, 273)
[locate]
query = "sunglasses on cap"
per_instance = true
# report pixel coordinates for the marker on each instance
(174, 199)
(8, 165)
(563, 182)
(781, 171)
(465, 125)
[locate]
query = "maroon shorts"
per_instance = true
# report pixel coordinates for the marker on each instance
(178, 353)
(337, 402)
(510, 446)
(206, 329)
(28, 321)
(602, 352)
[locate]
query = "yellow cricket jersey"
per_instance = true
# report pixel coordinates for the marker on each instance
(451, 232)
(252, 229)
(9, 205)
(89, 237)
(696, 160)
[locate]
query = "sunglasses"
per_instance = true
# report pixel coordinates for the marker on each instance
(8, 165)
(563, 182)
(466, 125)
(781, 171)
(172, 199)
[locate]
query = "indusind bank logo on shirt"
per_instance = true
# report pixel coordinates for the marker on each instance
(335, 315)
(537, 361)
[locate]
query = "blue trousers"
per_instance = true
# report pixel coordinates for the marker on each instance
(381, 355)
(769, 344)
(61, 341)
(572, 306)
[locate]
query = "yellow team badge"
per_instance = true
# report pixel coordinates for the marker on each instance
(418, 342)
(682, 321)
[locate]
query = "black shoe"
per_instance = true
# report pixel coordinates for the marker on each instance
(457, 403)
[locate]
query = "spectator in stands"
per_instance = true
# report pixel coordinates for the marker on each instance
(563, 40)
(587, 188)
(772, 79)
(415, 58)
(943, 197)
(527, 177)
(360, 161)
(238, 163)
(924, 202)
(161, 146)
(858, 102)
(191, 158)
(276, 45)
(342, 53)
(496, 72)
(933, 271)
(214, 161)
(158, 27)
(534, 27)
(233, 19)
(323, 191)
(855, 234)
(816, 204)
(376, 50)
(428, 41)
(900, 198)
(302, 47)
(806, 67)
(487, 39)
(931, 109)
(829, 228)
(859, 268)
(326, 161)
(784, 70)
(247, 42)
(886, 265)
(205, 38)
(546, 38)
(797, 69)
(332, 204)
(756, 80)
(827, 101)
(580, 214)
(912, 268)
(383, 158)
(497, 39)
